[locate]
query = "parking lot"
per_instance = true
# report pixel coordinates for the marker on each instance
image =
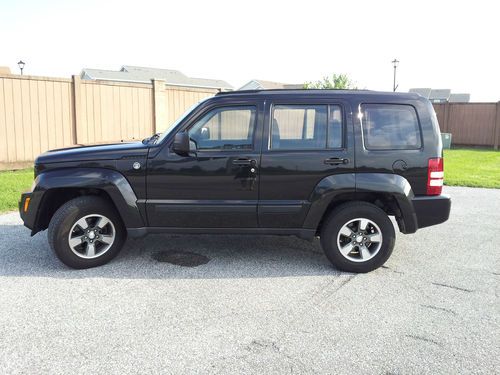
(259, 305)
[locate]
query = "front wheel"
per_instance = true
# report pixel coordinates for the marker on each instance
(358, 237)
(86, 232)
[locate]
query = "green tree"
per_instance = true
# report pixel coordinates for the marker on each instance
(337, 81)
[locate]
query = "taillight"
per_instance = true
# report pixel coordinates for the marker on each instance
(435, 176)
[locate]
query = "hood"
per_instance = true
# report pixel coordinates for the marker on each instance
(90, 153)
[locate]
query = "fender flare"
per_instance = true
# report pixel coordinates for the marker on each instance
(349, 184)
(111, 182)
(396, 186)
(328, 189)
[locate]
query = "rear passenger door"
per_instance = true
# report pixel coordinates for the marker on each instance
(306, 142)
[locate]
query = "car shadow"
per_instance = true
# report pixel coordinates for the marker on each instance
(224, 256)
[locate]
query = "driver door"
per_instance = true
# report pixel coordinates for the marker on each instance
(216, 185)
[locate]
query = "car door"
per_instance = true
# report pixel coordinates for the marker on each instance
(306, 142)
(216, 185)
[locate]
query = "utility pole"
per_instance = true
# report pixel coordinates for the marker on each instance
(395, 63)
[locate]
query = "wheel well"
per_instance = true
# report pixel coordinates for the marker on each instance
(53, 199)
(386, 202)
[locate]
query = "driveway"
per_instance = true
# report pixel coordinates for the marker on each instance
(259, 305)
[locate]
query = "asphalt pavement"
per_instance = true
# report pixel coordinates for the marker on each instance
(258, 305)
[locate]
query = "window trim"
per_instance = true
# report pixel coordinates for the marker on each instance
(304, 104)
(364, 136)
(228, 105)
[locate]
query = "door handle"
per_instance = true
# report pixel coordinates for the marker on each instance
(336, 161)
(244, 162)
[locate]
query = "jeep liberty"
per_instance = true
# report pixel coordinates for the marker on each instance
(329, 163)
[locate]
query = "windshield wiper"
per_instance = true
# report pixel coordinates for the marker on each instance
(153, 138)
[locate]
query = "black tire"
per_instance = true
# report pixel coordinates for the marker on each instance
(349, 212)
(72, 211)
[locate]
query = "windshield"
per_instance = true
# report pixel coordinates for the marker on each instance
(164, 134)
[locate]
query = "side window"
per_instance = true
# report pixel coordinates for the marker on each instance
(225, 128)
(304, 127)
(390, 127)
(335, 127)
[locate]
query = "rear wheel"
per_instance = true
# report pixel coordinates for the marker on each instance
(358, 237)
(86, 232)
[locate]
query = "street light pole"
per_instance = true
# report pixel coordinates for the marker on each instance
(21, 65)
(395, 63)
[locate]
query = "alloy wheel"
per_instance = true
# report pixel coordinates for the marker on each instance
(91, 236)
(359, 240)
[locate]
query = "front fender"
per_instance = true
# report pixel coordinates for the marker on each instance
(111, 182)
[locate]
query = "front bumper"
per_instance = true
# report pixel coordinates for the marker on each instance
(28, 216)
(431, 210)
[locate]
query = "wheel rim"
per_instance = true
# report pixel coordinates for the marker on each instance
(91, 236)
(359, 240)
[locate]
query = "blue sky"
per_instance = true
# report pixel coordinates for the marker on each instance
(440, 44)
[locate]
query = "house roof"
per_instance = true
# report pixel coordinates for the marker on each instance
(459, 98)
(4, 70)
(440, 94)
(425, 92)
(258, 84)
(142, 74)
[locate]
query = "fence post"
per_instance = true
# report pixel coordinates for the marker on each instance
(447, 117)
(77, 106)
(159, 102)
(496, 133)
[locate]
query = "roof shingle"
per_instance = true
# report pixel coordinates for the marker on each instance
(141, 74)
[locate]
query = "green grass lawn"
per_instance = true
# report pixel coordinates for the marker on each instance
(463, 167)
(472, 167)
(12, 184)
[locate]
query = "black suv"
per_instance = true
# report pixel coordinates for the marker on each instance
(328, 163)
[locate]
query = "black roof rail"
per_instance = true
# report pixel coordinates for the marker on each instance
(283, 90)
(237, 92)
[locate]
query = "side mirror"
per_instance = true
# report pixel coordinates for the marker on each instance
(181, 144)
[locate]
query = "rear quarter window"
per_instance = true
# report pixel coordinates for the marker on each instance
(390, 127)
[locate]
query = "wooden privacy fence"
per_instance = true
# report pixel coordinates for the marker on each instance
(471, 124)
(41, 113)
